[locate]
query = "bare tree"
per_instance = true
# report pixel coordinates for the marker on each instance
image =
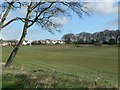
(3, 18)
(44, 14)
(5, 10)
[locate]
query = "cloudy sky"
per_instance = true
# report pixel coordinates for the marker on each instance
(104, 16)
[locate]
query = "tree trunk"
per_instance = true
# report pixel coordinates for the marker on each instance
(6, 14)
(15, 50)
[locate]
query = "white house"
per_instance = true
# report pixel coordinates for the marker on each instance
(8, 42)
(48, 41)
(43, 41)
(58, 42)
(54, 41)
(26, 43)
(5, 44)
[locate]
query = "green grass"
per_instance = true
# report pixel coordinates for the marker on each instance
(84, 62)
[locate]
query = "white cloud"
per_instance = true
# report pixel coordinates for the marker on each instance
(106, 7)
(61, 20)
(99, 0)
(102, 6)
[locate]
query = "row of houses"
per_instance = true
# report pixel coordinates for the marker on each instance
(8, 42)
(38, 42)
(47, 41)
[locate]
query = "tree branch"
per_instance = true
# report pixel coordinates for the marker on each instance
(37, 5)
(15, 19)
(77, 7)
(40, 14)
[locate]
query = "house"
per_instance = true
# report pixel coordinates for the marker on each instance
(42, 41)
(58, 42)
(48, 41)
(8, 42)
(25, 42)
(12, 42)
(54, 41)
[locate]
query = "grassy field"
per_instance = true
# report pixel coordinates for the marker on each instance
(88, 63)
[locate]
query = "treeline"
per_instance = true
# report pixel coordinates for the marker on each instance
(110, 37)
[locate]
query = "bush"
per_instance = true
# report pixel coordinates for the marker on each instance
(118, 45)
(105, 42)
(36, 43)
(112, 42)
(98, 44)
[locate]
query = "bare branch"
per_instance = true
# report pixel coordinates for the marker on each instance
(15, 19)
(77, 7)
(6, 14)
(35, 6)
(40, 14)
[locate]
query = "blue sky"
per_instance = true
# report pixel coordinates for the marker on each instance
(104, 16)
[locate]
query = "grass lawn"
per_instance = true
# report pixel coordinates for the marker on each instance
(88, 63)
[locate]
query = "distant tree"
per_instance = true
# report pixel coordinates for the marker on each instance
(92, 41)
(117, 36)
(43, 14)
(100, 36)
(76, 40)
(94, 36)
(118, 40)
(84, 37)
(112, 41)
(68, 38)
(103, 37)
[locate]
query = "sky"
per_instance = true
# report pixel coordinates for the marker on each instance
(104, 16)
